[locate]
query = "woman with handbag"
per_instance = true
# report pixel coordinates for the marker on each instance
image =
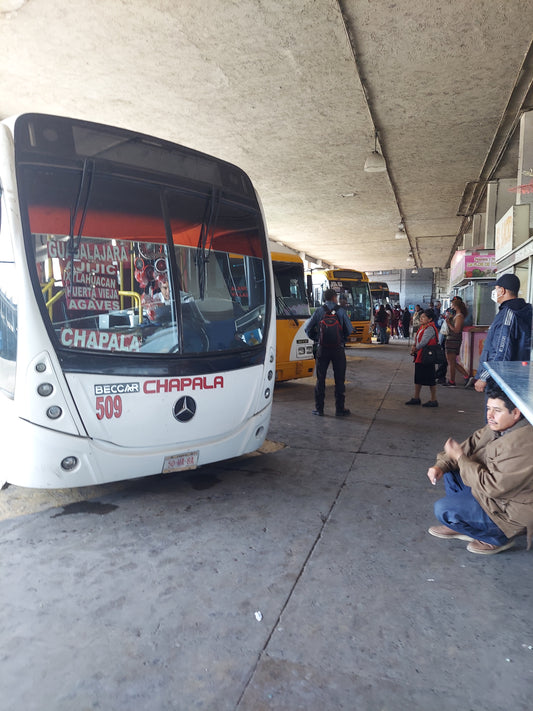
(427, 335)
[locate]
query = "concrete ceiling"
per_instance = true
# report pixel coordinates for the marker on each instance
(292, 91)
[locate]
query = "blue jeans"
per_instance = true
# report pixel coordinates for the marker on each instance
(460, 511)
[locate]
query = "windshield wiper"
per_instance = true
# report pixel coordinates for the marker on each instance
(175, 271)
(202, 252)
(84, 193)
(284, 309)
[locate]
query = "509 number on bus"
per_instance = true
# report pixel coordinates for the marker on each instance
(108, 407)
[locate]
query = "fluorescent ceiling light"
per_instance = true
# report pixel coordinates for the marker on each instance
(375, 163)
(400, 234)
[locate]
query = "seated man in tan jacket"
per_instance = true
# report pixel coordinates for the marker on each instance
(488, 480)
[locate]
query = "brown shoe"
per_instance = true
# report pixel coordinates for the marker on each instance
(445, 532)
(483, 548)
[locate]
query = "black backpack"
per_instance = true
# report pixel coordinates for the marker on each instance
(329, 329)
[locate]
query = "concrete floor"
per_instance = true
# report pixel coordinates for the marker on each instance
(146, 595)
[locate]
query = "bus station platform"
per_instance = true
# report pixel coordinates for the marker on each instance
(301, 578)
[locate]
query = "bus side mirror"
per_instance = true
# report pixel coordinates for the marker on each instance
(309, 280)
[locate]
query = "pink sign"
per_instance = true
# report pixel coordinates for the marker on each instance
(472, 265)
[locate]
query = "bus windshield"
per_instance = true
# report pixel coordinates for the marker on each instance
(380, 292)
(355, 297)
(124, 264)
(291, 299)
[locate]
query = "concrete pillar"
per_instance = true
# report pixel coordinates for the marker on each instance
(478, 231)
(500, 197)
(524, 183)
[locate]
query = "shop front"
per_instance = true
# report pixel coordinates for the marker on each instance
(472, 276)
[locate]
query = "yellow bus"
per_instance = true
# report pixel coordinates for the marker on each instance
(353, 289)
(294, 350)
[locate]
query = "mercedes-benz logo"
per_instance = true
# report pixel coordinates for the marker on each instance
(184, 409)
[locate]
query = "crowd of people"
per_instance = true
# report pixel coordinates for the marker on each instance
(508, 338)
(395, 322)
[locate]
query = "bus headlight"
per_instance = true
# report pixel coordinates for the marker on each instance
(270, 374)
(54, 412)
(267, 393)
(40, 367)
(69, 463)
(45, 389)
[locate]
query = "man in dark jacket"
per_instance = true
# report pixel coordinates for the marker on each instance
(327, 354)
(509, 337)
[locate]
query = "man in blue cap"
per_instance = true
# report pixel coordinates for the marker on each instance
(509, 337)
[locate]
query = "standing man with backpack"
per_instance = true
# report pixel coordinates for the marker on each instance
(330, 327)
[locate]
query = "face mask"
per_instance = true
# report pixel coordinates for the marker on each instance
(494, 295)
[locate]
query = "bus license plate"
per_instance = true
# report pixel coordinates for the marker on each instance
(180, 462)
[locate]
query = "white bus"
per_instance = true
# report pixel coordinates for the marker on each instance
(105, 374)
